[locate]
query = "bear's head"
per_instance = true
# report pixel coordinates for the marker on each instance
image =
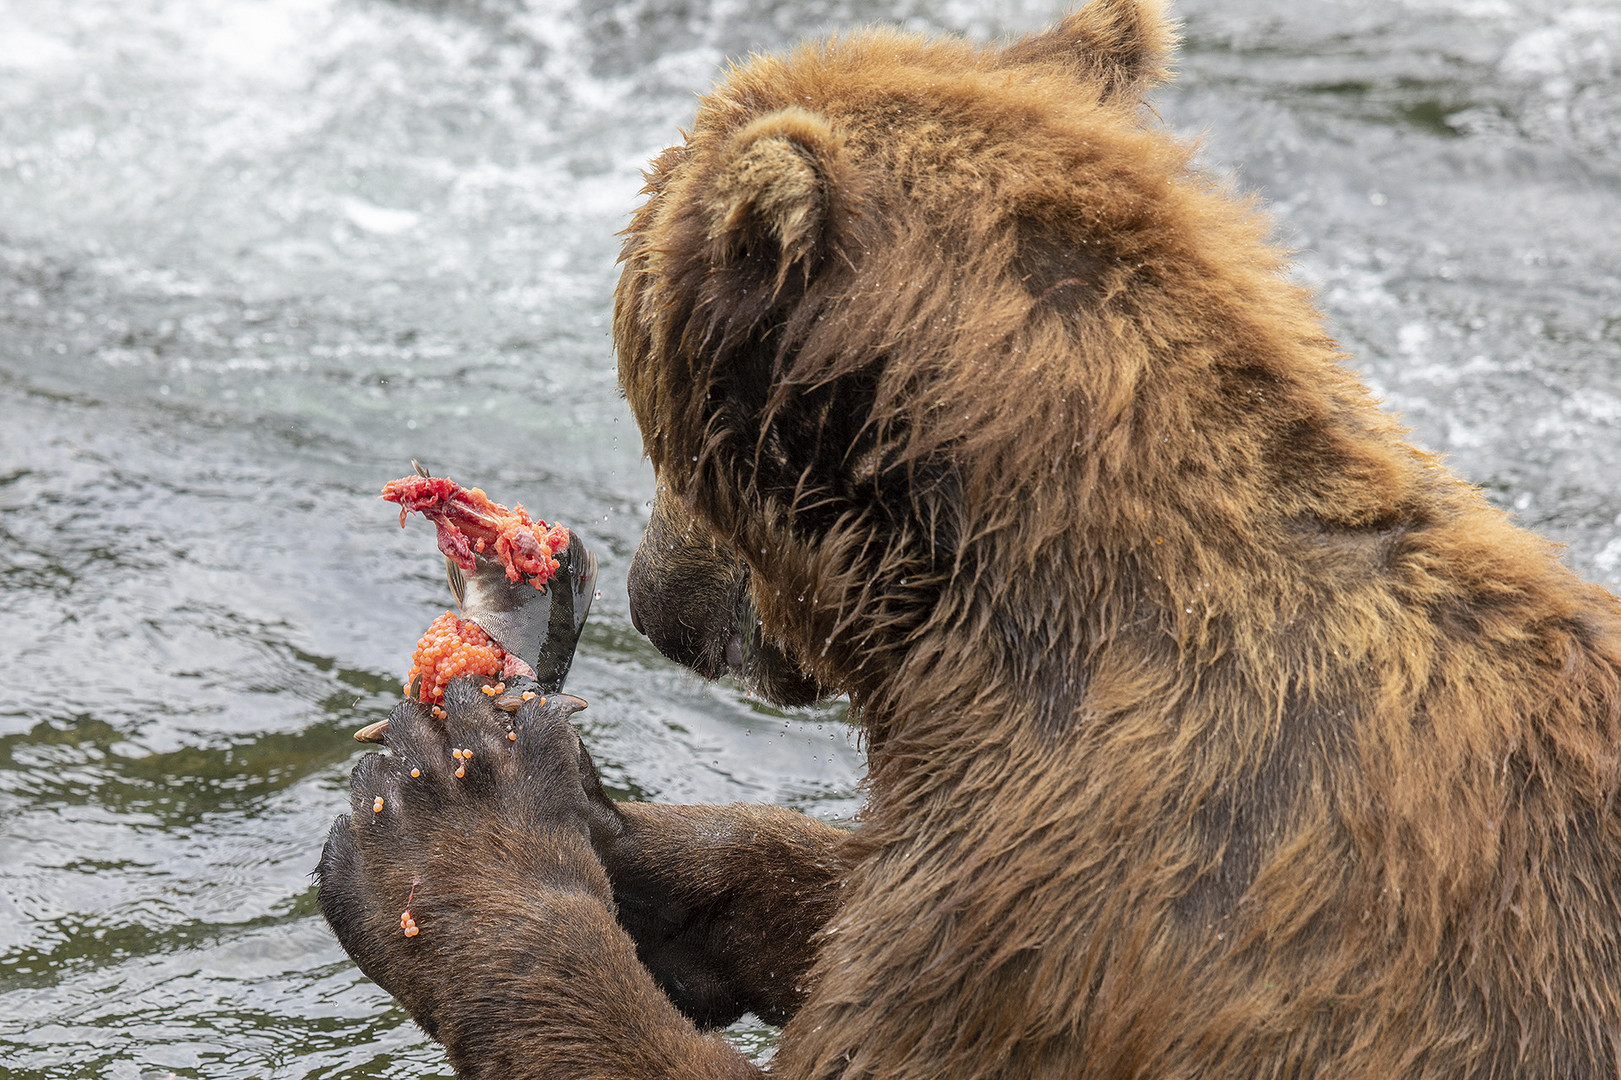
(907, 326)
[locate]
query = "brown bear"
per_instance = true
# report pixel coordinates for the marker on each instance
(1214, 730)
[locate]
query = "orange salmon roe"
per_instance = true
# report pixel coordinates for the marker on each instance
(452, 648)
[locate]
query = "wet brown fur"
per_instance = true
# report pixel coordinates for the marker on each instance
(1215, 730)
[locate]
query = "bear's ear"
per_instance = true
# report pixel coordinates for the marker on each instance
(780, 181)
(1125, 46)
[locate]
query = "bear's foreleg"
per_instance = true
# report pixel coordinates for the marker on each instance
(724, 902)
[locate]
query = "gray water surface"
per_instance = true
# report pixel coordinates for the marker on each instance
(255, 255)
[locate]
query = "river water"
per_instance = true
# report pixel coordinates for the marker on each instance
(255, 255)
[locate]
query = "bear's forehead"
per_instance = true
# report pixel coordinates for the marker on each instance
(891, 90)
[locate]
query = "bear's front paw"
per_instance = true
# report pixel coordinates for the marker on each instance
(475, 831)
